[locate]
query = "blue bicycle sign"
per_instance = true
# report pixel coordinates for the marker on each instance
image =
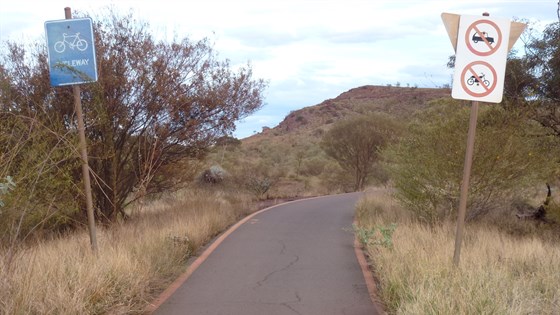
(71, 51)
(73, 41)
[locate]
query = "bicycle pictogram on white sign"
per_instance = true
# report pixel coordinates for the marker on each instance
(73, 41)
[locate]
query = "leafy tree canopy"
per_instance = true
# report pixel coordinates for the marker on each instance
(156, 105)
(511, 153)
(355, 143)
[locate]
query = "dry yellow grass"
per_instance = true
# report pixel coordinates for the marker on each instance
(498, 274)
(136, 260)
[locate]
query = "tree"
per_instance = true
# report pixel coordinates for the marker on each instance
(156, 104)
(532, 80)
(164, 102)
(511, 153)
(38, 150)
(542, 59)
(300, 155)
(355, 143)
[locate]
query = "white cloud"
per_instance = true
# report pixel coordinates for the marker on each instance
(309, 50)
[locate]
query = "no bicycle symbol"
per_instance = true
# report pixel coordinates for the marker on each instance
(479, 79)
(483, 37)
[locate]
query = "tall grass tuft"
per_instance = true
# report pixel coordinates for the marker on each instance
(498, 273)
(136, 260)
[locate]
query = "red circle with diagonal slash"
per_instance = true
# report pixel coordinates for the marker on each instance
(470, 71)
(477, 30)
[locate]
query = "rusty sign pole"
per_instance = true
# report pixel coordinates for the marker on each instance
(84, 156)
(465, 183)
(466, 180)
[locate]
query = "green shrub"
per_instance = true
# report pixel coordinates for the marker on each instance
(376, 236)
(335, 179)
(213, 175)
(426, 166)
(6, 187)
(258, 185)
(43, 193)
(553, 212)
(356, 141)
(313, 166)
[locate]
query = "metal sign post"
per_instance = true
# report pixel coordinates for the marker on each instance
(465, 183)
(71, 62)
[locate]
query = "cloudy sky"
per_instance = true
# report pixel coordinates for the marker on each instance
(308, 50)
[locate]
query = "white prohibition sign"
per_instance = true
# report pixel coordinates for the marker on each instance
(475, 80)
(482, 46)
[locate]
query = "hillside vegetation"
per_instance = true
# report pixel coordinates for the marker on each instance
(290, 157)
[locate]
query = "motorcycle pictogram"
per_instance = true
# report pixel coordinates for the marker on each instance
(481, 78)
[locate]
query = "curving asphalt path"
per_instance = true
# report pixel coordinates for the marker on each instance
(297, 258)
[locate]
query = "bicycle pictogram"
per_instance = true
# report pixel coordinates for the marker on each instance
(73, 41)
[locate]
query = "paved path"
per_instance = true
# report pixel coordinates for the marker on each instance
(297, 258)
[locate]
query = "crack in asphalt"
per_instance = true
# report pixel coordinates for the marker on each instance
(290, 264)
(291, 308)
(260, 283)
(298, 300)
(283, 250)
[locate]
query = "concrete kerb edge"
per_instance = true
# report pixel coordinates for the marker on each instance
(368, 275)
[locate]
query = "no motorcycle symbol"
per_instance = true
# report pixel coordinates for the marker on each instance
(478, 79)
